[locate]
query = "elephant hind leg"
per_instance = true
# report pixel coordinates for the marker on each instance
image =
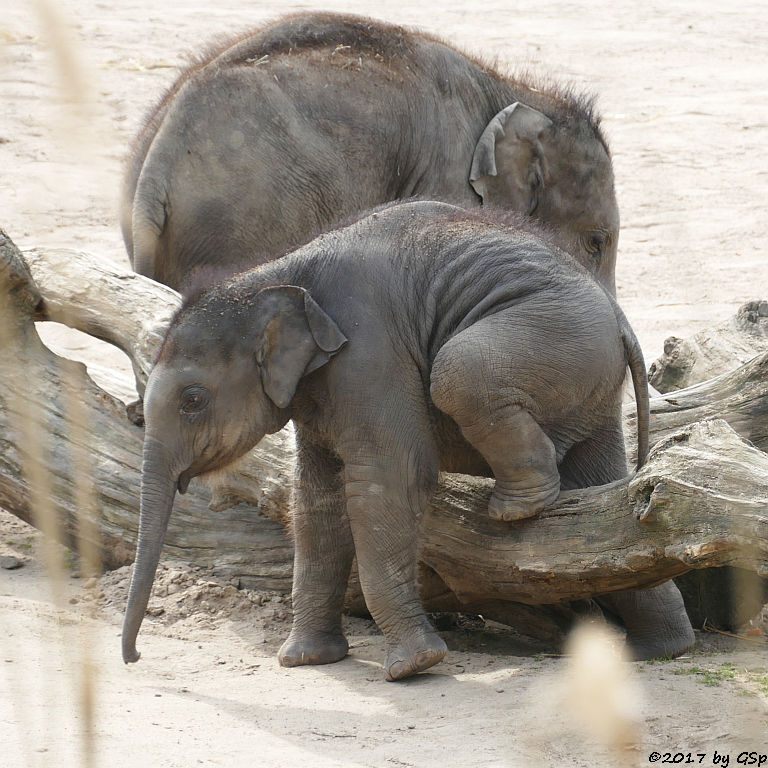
(598, 460)
(655, 619)
(469, 385)
(523, 460)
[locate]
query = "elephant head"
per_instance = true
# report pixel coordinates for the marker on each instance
(562, 175)
(225, 376)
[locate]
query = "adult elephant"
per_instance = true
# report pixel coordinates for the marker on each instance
(282, 132)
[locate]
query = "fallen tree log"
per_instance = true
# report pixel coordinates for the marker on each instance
(702, 492)
(740, 397)
(728, 597)
(713, 351)
(45, 398)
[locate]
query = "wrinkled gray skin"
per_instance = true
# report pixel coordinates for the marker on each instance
(278, 135)
(374, 339)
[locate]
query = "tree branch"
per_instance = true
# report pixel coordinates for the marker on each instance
(713, 351)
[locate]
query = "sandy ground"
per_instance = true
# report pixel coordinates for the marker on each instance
(684, 94)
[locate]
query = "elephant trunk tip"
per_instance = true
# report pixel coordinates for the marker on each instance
(130, 654)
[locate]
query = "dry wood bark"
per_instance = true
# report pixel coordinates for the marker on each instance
(740, 397)
(725, 597)
(703, 490)
(713, 351)
(38, 390)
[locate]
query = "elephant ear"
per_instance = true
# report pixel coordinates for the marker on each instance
(298, 338)
(509, 165)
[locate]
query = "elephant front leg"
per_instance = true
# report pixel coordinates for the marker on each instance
(385, 508)
(323, 557)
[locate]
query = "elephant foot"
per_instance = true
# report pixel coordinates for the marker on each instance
(666, 647)
(508, 504)
(673, 639)
(655, 619)
(315, 647)
(414, 655)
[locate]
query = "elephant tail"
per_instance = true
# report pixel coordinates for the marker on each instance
(636, 365)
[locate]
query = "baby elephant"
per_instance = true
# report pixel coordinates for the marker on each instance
(417, 339)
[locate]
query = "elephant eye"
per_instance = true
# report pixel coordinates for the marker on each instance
(595, 243)
(193, 400)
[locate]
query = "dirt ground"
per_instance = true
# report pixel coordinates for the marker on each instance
(684, 95)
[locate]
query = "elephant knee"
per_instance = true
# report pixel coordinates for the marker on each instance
(454, 383)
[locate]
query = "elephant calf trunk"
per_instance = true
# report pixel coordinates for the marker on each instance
(158, 489)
